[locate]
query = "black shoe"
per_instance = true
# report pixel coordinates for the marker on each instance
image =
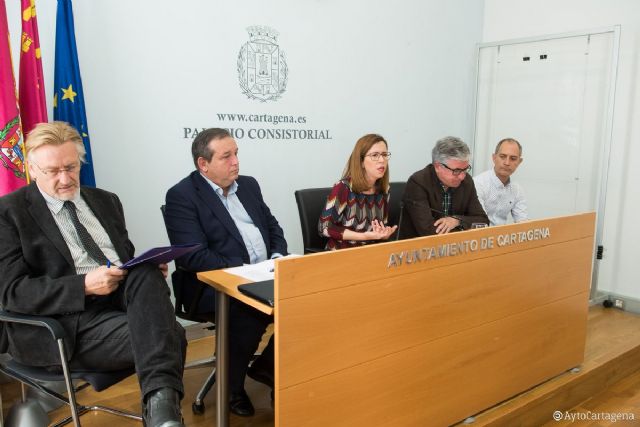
(162, 409)
(240, 404)
(261, 375)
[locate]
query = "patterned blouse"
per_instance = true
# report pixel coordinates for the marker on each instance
(348, 210)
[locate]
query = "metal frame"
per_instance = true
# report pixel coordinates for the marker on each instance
(58, 334)
(222, 362)
(608, 127)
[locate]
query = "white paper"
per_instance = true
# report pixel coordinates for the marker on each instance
(256, 272)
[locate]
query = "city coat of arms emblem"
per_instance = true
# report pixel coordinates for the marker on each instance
(11, 148)
(262, 69)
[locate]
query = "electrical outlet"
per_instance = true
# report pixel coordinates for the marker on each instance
(618, 303)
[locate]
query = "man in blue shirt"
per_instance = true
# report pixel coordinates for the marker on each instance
(225, 212)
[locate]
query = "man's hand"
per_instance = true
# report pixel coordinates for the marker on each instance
(446, 224)
(164, 269)
(103, 280)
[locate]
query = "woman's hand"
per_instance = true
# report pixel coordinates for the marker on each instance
(379, 231)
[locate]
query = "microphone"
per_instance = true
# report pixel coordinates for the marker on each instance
(399, 221)
(462, 221)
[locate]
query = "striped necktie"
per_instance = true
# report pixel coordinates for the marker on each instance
(87, 241)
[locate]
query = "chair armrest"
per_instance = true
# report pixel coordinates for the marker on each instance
(54, 327)
(313, 250)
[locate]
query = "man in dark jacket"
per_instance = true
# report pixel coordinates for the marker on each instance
(60, 248)
(442, 197)
(225, 212)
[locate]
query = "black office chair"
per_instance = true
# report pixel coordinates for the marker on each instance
(189, 311)
(311, 202)
(33, 376)
(395, 206)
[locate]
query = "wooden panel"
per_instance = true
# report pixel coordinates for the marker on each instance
(323, 271)
(443, 381)
(429, 342)
(370, 320)
(612, 354)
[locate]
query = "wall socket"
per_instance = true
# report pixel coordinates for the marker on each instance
(618, 303)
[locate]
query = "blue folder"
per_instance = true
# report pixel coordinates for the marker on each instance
(161, 255)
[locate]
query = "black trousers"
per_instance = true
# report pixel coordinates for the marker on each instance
(246, 327)
(135, 325)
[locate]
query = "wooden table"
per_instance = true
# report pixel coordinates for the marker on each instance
(226, 285)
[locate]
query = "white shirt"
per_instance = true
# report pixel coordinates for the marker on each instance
(498, 199)
(83, 263)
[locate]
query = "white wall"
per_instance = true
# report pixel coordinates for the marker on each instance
(507, 19)
(405, 70)
(151, 68)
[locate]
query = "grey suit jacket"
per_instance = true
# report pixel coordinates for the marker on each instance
(37, 274)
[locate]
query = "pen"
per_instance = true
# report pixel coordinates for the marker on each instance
(108, 264)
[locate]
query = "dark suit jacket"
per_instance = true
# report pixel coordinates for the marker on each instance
(195, 214)
(37, 272)
(423, 192)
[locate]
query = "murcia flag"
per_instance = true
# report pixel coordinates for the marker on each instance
(33, 108)
(12, 169)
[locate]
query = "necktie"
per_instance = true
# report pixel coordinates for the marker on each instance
(87, 241)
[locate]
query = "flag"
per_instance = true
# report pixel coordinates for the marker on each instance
(68, 99)
(33, 108)
(12, 173)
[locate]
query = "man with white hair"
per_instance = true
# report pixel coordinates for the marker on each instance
(60, 248)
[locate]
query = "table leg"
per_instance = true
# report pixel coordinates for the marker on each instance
(222, 360)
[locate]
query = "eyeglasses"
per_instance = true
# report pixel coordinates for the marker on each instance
(58, 171)
(457, 172)
(376, 156)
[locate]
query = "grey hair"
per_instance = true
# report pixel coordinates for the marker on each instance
(450, 148)
(200, 144)
(508, 140)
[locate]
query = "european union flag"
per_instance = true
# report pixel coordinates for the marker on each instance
(68, 98)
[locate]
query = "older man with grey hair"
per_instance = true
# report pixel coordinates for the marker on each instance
(442, 197)
(61, 246)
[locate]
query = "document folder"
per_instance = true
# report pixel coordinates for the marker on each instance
(161, 255)
(261, 291)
